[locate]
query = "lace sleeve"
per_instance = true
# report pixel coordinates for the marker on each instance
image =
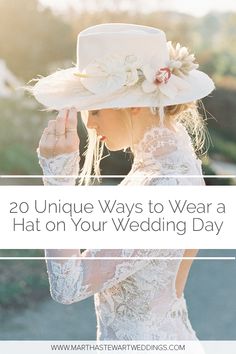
(74, 279)
(64, 165)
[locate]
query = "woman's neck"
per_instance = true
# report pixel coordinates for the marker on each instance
(145, 121)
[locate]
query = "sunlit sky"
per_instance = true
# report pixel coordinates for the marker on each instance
(196, 8)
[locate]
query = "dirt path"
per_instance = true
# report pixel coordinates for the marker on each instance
(50, 320)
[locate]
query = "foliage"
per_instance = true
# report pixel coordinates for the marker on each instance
(223, 146)
(32, 37)
(221, 108)
(21, 126)
(40, 38)
(207, 170)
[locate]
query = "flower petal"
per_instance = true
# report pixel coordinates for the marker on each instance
(100, 81)
(173, 86)
(132, 77)
(149, 71)
(168, 89)
(148, 86)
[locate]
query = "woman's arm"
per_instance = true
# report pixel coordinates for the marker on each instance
(74, 279)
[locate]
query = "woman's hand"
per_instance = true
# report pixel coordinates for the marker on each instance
(60, 136)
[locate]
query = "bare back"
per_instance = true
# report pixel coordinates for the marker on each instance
(183, 271)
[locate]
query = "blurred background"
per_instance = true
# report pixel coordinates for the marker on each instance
(38, 37)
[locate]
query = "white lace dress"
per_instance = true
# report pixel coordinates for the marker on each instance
(135, 299)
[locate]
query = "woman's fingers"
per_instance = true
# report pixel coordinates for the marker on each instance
(52, 127)
(46, 143)
(72, 138)
(61, 122)
(51, 134)
(43, 142)
(71, 121)
(60, 136)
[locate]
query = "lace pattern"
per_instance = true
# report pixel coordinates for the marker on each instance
(65, 164)
(165, 152)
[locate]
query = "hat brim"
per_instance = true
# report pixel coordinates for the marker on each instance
(63, 89)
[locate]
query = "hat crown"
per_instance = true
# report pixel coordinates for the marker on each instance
(103, 41)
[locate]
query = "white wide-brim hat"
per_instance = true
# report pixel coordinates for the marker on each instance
(124, 65)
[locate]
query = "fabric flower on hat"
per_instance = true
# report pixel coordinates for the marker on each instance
(162, 81)
(107, 75)
(132, 67)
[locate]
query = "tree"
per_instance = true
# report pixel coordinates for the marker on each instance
(31, 37)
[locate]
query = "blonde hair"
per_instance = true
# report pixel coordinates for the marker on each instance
(93, 154)
(186, 114)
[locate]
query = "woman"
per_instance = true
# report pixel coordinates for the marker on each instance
(142, 100)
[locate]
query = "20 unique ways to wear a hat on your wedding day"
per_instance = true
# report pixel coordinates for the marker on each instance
(124, 65)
